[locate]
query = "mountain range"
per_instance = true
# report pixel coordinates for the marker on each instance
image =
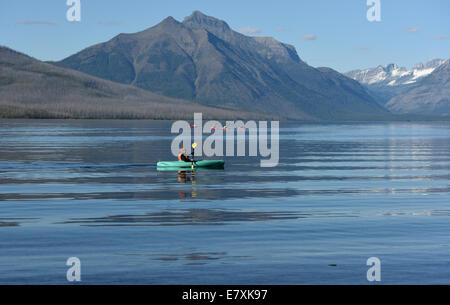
(385, 82)
(430, 95)
(30, 88)
(424, 89)
(393, 75)
(202, 59)
(174, 68)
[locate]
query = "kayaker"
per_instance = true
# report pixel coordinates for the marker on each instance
(183, 157)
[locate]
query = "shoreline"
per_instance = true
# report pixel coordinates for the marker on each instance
(398, 120)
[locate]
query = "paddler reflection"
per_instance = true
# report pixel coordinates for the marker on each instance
(184, 177)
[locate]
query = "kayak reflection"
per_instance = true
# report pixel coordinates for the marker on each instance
(187, 175)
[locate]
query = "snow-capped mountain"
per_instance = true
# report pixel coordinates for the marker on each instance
(386, 82)
(430, 95)
(393, 75)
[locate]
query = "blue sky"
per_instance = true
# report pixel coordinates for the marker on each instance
(331, 33)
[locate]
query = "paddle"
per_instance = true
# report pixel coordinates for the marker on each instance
(194, 145)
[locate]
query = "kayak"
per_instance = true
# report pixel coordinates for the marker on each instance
(187, 165)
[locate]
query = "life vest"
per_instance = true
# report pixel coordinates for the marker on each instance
(179, 157)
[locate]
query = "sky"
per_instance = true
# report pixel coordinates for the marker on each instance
(326, 33)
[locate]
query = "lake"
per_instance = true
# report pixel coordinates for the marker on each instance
(342, 193)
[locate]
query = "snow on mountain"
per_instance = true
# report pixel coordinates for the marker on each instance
(429, 95)
(386, 82)
(393, 75)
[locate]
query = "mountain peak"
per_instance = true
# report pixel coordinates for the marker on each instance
(169, 21)
(431, 64)
(202, 59)
(167, 24)
(390, 67)
(199, 20)
(197, 14)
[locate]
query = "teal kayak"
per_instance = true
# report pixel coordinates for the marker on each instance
(187, 165)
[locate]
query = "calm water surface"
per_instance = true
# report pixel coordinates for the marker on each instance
(341, 194)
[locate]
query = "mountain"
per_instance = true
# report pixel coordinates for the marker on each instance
(386, 82)
(30, 88)
(429, 95)
(204, 60)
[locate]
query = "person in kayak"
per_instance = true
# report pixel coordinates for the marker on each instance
(183, 157)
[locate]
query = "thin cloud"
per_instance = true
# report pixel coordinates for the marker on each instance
(364, 48)
(36, 22)
(409, 29)
(442, 37)
(109, 23)
(249, 31)
(280, 29)
(309, 37)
